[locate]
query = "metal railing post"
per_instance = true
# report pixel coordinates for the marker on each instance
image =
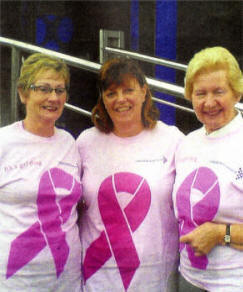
(15, 66)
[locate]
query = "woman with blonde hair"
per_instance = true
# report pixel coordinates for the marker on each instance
(40, 188)
(208, 191)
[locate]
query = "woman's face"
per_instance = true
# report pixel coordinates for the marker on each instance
(213, 99)
(124, 105)
(43, 106)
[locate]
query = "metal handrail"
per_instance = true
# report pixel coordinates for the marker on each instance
(77, 109)
(73, 61)
(155, 84)
(146, 58)
(90, 66)
(88, 114)
(16, 46)
(168, 88)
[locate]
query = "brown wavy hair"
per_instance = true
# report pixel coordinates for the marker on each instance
(114, 72)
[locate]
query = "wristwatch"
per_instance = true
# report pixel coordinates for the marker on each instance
(227, 238)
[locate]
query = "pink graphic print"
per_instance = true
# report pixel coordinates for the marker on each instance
(48, 232)
(117, 230)
(194, 210)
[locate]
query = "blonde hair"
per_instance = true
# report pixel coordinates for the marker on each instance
(38, 63)
(212, 59)
(115, 72)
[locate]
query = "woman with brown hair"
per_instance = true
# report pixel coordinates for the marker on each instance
(128, 230)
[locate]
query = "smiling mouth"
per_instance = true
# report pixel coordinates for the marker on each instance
(123, 109)
(50, 108)
(213, 113)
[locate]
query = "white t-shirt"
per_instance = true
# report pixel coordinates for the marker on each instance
(39, 191)
(129, 233)
(209, 187)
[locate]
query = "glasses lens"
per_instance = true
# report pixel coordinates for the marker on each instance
(43, 89)
(60, 91)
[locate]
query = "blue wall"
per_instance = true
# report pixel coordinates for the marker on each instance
(165, 47)
(134, 25)
(53, 32)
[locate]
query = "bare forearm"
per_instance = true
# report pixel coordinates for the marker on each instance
(237, 246)
(206, 236)
(236, 234)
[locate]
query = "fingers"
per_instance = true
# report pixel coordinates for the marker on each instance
(188, 239)
(185, 239)
(198, 253)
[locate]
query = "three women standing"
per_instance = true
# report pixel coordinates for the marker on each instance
(129, 233)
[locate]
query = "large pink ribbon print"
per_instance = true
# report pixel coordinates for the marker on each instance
(117, 235)
(194, 211)
(48, 230)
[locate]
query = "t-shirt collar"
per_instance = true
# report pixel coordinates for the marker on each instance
(233, 124)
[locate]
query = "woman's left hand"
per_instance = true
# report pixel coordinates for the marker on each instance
(204, 238)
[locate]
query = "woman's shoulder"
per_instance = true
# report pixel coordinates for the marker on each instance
(195, 133)
(9, 127)
(193, 139)
(64, 134)
(169, 130)
(89, 135)
(9, 130)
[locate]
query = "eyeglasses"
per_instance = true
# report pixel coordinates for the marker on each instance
(44, 90)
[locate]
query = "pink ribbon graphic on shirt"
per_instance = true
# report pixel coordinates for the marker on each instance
(52, 214)
(205, 183)
(117, 238)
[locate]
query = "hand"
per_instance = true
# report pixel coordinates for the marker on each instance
(204, 238)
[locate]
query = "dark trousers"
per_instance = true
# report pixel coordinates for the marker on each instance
(185, 286)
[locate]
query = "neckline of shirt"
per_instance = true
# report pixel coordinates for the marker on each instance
(228, 128)
(35, 136)
(128, 139)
